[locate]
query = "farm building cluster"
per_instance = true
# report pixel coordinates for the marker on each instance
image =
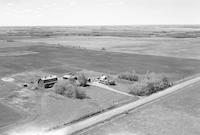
(49, 81)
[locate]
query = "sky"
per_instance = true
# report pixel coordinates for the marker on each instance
(98, 12)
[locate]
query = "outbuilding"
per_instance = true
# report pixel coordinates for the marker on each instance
(47, 82)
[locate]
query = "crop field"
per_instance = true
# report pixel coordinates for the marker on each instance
(53, 58)
(171, 41)
(159, 46)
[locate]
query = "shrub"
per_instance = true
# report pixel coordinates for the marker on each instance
(152, 88)
(131, 76)
(72, 80)
(67, 89)
(138, 89)
(149, 84)
(82, 80)
(70, 91)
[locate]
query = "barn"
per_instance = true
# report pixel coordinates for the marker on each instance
(47, 82)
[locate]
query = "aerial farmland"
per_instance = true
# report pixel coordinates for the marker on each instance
(98, 68)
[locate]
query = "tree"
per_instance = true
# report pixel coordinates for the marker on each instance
(82, 80)
(67, 89)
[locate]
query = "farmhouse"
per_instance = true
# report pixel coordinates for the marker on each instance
(47, 82)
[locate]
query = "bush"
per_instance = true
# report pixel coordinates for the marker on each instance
(67, 89)
(82, 80)
(149, 84)
(138, 89)
(152, 88)
(72, 80)
(131, 76)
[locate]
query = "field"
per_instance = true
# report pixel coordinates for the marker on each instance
(27, 53)
(159, 46)
(52, 58)
(171, 41)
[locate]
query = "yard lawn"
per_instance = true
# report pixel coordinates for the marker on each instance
(58, 110)
(104, 98)
(122, 85)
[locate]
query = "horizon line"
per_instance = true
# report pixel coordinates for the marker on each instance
(99, 25)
